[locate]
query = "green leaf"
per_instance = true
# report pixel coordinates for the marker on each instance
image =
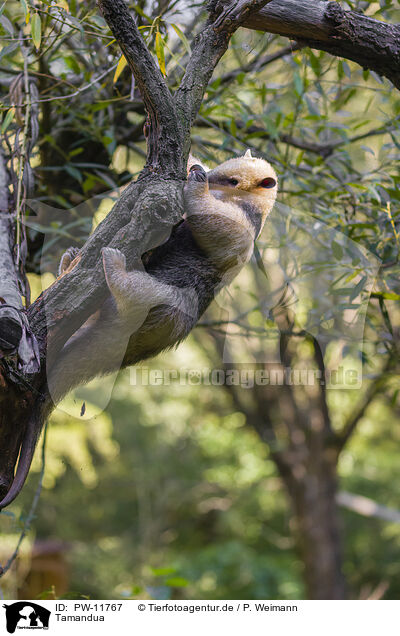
(176, 581)
(142, 13)
(315, 63)
(337, 251)
(26, 10)
(36, 30)
(346, 69)
(9, 49)
(7, 25)
(388, 295)
(358, 288)
(160, 52)
(312, 106)
(298, 84)
(7, 513)
(76, 151)
(351, 276)
(74, 172)
(162, 571)
(182, 37)
(299, 158)
(7, 120)
(71, 62)
(395, 395)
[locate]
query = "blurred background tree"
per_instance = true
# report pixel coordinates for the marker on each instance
(216, 491)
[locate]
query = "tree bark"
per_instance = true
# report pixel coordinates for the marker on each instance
(17, 348)
(317, 526)
(10, 296)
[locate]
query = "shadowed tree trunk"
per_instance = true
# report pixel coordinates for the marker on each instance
(317, 526)
(305, 452)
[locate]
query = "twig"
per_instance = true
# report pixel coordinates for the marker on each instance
(255, 65)
(77, 92)
(367, 507)
(373, 389)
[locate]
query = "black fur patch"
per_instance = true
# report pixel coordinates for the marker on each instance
(180, 262)
(253, 215)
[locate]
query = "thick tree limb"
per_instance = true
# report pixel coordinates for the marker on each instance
(164, 126)
(141, 219)
(15, 338)
(10, 297)
(16, 343)
(328, 27)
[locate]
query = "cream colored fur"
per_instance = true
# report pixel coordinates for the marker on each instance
(215, 209)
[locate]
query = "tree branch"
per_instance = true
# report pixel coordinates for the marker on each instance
(164, 126)
(328, 27)
(209, 46)
(10, 297)
(15, 338)
(349, 427)
(367, 507)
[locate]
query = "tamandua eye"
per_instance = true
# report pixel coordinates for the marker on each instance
(269, 182)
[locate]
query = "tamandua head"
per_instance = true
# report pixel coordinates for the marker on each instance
(226, 208)
(248, 180)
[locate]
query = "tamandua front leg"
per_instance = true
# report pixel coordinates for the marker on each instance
(136, 292)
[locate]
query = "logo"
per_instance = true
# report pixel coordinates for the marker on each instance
(26, 615)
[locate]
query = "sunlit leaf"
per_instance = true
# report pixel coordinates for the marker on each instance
(36, 30)
(160, 52)
(182, 37)
(120, 67)
(162, 571)
(7, 120)
(176, 581)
